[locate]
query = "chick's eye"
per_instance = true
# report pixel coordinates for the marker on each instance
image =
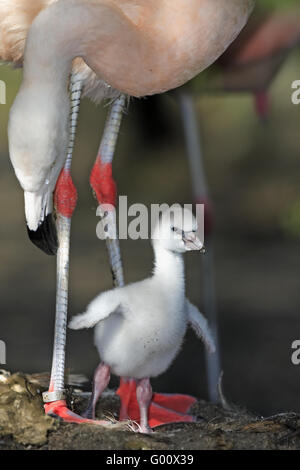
(173, 229)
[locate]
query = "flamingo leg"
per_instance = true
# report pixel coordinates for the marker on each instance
(104, 188)
(195, 156)
(164, 408)
(100, 382)
(65, 198)
(144, 397)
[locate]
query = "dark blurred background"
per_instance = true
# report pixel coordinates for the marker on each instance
(252, 164)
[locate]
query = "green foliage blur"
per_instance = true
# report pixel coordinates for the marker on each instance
(279, 4)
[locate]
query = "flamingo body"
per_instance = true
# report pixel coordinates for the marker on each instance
(139, 47)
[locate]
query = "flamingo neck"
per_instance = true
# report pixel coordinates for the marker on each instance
(54, 40)
(169, 268)
(97, 31)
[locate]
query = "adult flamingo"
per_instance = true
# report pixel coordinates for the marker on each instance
(133, 47)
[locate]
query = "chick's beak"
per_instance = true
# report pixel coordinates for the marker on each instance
(192, 242)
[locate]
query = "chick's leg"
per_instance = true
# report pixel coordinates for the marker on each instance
(100, 382)
(164, 407)
(144, 397)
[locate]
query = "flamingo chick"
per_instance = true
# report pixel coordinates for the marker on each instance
(139, 328)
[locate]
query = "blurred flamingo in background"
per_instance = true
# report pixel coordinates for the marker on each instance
(127, 47)
(249, 65)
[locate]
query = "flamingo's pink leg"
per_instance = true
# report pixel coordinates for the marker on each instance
(100, 382)
(144, 396)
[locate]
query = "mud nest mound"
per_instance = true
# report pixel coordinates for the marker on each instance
(23, 424)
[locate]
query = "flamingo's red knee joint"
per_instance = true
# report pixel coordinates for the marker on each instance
(65, 194)
(102, 182)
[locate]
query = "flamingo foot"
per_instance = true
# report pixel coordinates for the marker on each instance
(175, 401)
(58, 409)
(159, 415)
(163, 409)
